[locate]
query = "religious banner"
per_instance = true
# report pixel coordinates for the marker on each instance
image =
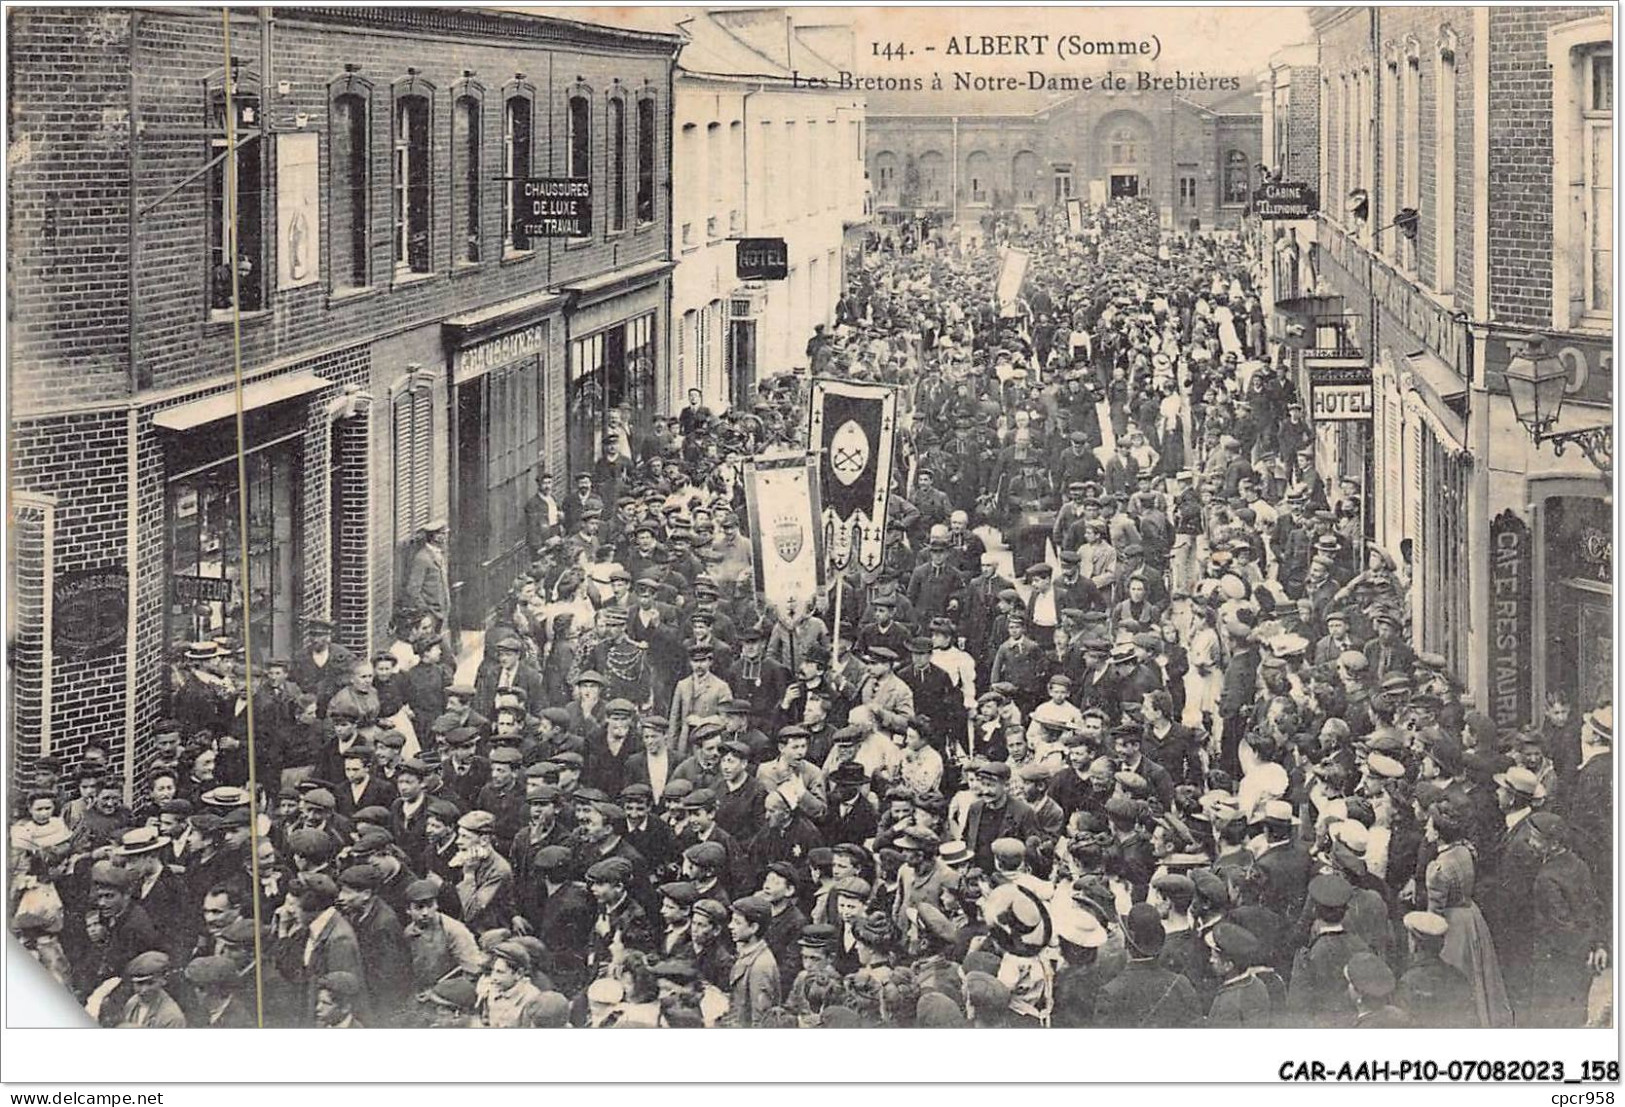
(852, 427)
(781, 496)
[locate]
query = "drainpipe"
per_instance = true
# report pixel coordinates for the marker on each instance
(1479, 399)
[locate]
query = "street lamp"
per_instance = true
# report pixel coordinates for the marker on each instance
(1536, 382)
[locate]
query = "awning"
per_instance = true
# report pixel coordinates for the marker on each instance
(610, 283)
(1436, 377)
(261, 393)
(475, 326)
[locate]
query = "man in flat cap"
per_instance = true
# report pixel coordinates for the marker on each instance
(1318, 993)
(1435, 994)
(485, 878)
(1371, 989)
(754, 976)
(312, 939)
(994, 813)
(621, 922)
(386, 956)
(1242, 999)
(1145, 994)
(150, 1007)
(701, 694)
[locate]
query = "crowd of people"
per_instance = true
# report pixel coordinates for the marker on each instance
(1127, 730)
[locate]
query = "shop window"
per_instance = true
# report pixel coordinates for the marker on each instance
(466, 119)
(236, 194)
(1578, 541)
(411, 184)
(612, 388)
(205, 547)
(349, 151)
(516, 151)
(646, 160)
(617, 163)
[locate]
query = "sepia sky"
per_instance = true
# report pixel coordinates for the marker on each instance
(1217, 39)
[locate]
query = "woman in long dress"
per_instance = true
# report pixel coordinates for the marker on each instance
(1467, 945)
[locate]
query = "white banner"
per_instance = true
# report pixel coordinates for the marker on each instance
(1074, 214)
(781, 495)
(298, 211)
(1011, 275)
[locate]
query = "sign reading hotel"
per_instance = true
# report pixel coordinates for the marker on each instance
(553, 207)
(762, 259)
(1339, 390)
(1285, 200)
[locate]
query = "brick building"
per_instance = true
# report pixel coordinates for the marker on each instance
(759, 154)
(1494, 127)
(406, 352)
(1194, 153)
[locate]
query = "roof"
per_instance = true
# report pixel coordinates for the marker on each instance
(1241, 101)
(528, 25)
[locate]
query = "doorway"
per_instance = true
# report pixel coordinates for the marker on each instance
(742, 363)
(1125, 186)
(499, 439)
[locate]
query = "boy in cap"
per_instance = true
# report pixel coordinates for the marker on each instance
(1318, 994)
(1370, 987)
(151, 1007)
(1434, 993)
(754, 978)
(1242, 999)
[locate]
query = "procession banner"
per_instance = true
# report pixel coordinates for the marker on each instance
(1074, 214)
(852, 426)
(1011, 276)
(781, 495)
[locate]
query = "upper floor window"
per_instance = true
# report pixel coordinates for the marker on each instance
(516, 150)
(1237, 182)
(236, 194)
(1581, 55)
(467, 118)
(580, 136)
(617, 163)
(646, 160)
(1598, 127)
(1125, 147)
(349, 146)
(411, 184)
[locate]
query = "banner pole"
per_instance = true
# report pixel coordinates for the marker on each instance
(835, 648)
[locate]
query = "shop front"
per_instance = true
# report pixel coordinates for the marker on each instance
(616, 372)
(504, 373)
(1577, 534)
(205, 504)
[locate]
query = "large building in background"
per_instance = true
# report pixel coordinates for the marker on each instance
(761, 151)
(406, 352)
(1467, 189)
(962, 154)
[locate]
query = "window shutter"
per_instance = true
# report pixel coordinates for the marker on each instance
(422, 454)
(405, 455)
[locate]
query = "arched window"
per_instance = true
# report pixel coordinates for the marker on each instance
(236, 199)
(348, 138)
(933, 172)
(886, 178)
(412, 151)
(467, 119)
(1024, 177)
(1125, 146)
(1237, 184)
(617, 161)
(580, 136)
(646, 160)
(979, 177)
(516, 160)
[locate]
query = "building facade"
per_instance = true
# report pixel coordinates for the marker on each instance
(760, 153)
(1467, 177)
(405, 351)
(1195, 154)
